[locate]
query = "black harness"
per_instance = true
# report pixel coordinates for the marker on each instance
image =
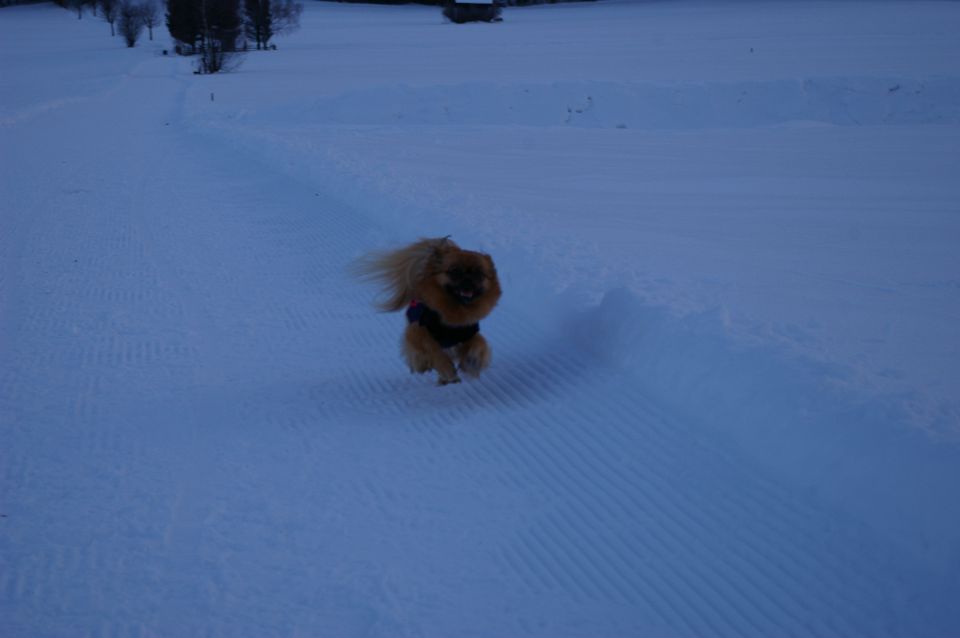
(447, 336)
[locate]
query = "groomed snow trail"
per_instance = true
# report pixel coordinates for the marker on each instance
(208, 431)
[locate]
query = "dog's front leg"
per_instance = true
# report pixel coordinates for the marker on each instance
(423, 353)
(474, 355)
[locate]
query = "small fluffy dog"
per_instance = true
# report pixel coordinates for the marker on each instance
(446, 291)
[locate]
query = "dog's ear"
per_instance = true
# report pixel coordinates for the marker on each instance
(440, 247)
(488, 260)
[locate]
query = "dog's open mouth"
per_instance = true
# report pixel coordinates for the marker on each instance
(464, 295)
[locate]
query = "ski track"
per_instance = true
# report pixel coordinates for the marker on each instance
(217, 475)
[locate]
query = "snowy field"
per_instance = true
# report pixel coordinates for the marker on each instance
(725, 397)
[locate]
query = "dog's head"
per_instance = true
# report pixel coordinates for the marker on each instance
(465, 284)
(466, 276)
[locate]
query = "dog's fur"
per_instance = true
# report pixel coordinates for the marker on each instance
(460, 285)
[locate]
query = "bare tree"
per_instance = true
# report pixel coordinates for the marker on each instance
(220, 29)
(78, 5)
(110, 9)
(286, 16)
(150, 12)
(131, 22)
(212, 58)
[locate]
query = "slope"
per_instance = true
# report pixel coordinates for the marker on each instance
(206, 431)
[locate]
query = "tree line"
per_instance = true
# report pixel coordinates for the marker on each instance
(128, 17)
(214, 30)
(199, 24)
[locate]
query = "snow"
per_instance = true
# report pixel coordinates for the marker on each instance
(724, 393)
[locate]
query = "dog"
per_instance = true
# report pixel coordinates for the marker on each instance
(446, 292)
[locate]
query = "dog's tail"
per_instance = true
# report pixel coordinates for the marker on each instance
(399, 272)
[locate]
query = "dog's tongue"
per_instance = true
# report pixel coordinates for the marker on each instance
(466, 293)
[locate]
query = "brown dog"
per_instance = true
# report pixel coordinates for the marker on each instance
(446, 291)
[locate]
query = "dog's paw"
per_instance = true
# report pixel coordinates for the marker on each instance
(448, 380)
(475, 358)
(471, 366)
(419, 364)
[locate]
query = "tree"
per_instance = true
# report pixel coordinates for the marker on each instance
(76, 4)
(267, 18)
(131, 22)
(221, 23)
(259, 23)
(220, 28)
(197, 23)
(150, 12)
(110, 9)
(286, 16)
(185, 22)
(209, 28)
